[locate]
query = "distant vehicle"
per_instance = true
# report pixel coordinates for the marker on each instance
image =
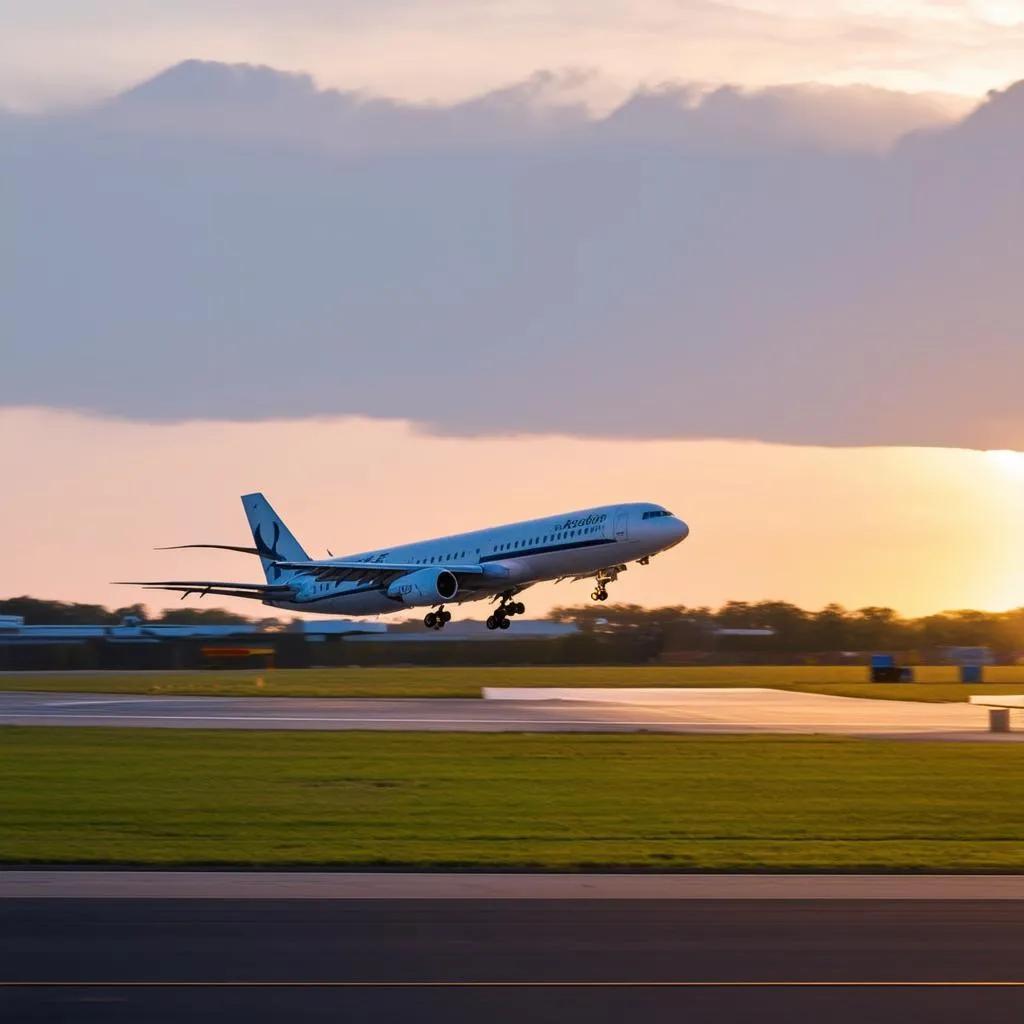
(497, 563)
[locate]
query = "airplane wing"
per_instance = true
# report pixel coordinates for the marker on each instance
(341, 571)
(337, 570)
(255, 591)
(382, 573)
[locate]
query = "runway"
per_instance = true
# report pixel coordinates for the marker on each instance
(510, 960)
(708, 711)
(66, 884)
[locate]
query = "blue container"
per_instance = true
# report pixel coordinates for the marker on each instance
(884, 669)
(970, 673)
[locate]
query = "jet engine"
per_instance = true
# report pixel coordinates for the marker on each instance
(425, 586)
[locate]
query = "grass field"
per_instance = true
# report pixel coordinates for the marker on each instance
(120, 796)
(937, 683)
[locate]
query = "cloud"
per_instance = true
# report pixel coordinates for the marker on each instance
(729, 266)
(221, 101)
(205, 99)
(738, 121)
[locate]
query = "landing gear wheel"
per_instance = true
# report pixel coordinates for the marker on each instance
(438, 619)
(492, 622)
(604, 595)
(507, 608)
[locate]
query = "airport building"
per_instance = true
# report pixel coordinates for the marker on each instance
(135, 644)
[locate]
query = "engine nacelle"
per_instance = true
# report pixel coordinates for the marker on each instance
(425, 586)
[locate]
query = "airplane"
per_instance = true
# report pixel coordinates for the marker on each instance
(496, 564)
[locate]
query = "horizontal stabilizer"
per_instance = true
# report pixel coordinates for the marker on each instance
(214, 547)
(255, 591)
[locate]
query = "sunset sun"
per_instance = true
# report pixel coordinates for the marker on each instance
(1010, 463)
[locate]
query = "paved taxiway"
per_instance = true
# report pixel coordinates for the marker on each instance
(510, 960)
(682, 711)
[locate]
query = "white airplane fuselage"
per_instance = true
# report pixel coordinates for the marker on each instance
(575, 544)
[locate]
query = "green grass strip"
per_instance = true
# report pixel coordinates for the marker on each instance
(566, 802)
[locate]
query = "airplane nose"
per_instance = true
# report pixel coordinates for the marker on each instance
(673, 530)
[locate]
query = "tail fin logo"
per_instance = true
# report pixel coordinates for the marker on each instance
(270, 551)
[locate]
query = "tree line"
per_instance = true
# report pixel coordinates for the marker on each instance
(678, 627)
(38, 612)
(798, 631)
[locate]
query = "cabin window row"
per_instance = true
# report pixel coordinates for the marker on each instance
(546, 539)
(458, 555)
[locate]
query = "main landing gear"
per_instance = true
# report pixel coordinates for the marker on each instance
(603, 578)
(438, 619)
(507, 608)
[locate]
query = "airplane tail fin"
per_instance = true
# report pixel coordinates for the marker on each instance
(273, 540)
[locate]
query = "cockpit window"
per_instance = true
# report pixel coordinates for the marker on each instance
(656, 514)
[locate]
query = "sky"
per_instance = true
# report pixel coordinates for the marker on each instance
(421, 266)
(915, 529)
(59, 51)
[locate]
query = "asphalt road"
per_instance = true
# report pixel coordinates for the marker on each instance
(744, 711)
(324, 714)
(510, 960)
(93, 883)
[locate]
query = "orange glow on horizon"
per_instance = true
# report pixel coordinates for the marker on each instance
(919, 530)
